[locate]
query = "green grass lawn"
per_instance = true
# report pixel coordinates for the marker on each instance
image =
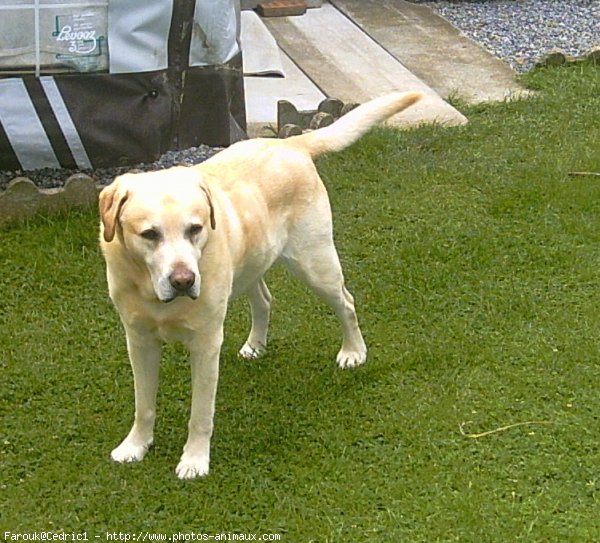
(474, 259)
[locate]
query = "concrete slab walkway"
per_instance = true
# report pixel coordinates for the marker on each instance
(263, 93)
(433, 49)
(270, 75)
(356, 50)
(347, 64)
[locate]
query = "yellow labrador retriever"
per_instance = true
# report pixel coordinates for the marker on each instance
(180, 243)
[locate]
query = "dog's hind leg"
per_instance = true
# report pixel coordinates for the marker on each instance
(314, 260)
(260, 307)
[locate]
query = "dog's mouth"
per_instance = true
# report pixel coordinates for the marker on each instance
(175, 295)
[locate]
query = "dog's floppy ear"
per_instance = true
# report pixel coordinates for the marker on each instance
(206, 190)
(111, 202)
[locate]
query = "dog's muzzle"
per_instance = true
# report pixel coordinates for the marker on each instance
(182, 281)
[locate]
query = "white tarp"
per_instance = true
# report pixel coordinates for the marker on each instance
(68, 35)
(216, 32)
(115, 36)
(138, 33)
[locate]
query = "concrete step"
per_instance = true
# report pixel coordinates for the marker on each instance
(432, 49)
(263, 93)
(270, 76)
(345, 63)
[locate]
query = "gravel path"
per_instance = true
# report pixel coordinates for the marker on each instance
(48, 178)
(521, 32)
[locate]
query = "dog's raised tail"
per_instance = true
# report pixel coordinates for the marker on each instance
(349, 128)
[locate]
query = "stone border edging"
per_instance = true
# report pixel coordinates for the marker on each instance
(558, 57)
(22, 199)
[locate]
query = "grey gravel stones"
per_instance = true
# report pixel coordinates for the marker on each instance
(49, 178)
(524, 32)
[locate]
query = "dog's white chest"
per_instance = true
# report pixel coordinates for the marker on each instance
(173, 332)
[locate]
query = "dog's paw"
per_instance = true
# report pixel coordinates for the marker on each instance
(351, 359)
(129, 451)
(251, 352)
(191, 467)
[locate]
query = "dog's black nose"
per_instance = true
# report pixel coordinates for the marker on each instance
(182, 279)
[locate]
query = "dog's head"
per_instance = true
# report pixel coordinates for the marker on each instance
(162, 220)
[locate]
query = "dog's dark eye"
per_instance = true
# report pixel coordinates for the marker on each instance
(150, 234)
(194, 230)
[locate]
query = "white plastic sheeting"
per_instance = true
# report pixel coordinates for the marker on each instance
(216, 32)
(115, 36)
(138, 33)
(43, 36)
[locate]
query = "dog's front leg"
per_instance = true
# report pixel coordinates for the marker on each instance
(204, 360)
(144, 355)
